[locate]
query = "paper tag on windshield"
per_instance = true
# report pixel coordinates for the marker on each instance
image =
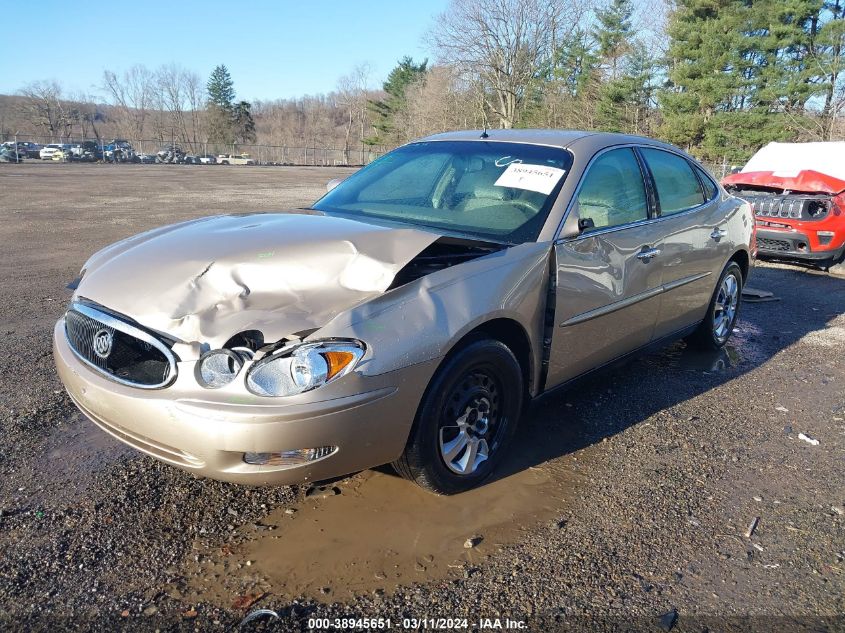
(537, 178)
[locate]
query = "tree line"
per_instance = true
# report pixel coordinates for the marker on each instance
(717, 77)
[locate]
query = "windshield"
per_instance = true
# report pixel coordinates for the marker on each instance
(491, 190)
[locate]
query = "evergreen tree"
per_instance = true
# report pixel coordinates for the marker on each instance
(613, 32)
(227, 122)
(623, 91)
(243, 123)
(624, 103)
(385, 110)
(577, 63)
(221, 88)
(741, 73)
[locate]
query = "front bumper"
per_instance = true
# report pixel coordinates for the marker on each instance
(207, 433)
(793, 245)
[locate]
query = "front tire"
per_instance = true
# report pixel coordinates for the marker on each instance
(466, 419)
(722, 312)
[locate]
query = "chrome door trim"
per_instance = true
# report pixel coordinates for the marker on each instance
(683, 281)
(624, 303)
(612, 307)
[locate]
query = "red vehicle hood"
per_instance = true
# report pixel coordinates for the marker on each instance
(807, 181)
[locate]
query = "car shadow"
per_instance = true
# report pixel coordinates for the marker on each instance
(613, 399)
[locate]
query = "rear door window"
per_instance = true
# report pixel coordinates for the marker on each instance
(677, 186)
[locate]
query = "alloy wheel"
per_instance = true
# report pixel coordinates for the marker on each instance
(724, 310)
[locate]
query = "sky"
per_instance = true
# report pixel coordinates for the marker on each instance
(273, 50)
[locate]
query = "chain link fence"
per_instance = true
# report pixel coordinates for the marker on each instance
(720, 169)
(149, 150)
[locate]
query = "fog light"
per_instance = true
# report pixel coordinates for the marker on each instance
(289, 458)
(824, 237)
(218, 368)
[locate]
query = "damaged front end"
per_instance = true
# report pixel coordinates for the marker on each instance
(797, 227)
(233, 290)
(278, 348)
(799, 211)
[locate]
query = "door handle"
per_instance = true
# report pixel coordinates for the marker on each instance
(647, 254)
(718, 234)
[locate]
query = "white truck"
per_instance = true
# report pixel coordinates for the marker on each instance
(235, 159)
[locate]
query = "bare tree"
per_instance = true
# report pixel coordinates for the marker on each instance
(353, 95)
(508, 44)
(132, 97)
(43, 107)
(441, 100)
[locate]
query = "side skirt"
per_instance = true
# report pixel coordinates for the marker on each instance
(653, 346)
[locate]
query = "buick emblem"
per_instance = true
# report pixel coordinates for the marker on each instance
(102, 343)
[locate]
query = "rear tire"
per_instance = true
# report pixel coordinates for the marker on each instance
(466, 419)
(722, 312)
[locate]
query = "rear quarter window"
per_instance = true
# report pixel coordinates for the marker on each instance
(677, 186)
(710, 188)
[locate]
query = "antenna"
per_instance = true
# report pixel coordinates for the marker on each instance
(484, 134)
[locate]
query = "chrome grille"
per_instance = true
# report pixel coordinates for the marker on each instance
(135, 357)
(789, 207)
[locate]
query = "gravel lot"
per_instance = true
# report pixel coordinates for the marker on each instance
(626, 505)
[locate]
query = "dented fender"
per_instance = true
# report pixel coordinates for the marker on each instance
(425, 319)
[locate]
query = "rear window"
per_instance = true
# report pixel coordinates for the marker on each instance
(677, 186)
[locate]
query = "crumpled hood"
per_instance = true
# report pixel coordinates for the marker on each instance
(205, 280)
(805, 181)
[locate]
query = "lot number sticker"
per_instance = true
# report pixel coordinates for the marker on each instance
(531, 177)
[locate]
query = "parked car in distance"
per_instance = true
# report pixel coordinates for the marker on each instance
(46, 152)
(32, 150)
(86, 151)
(10, 155)
(63, 153)
(233, 159)
(21, 149)
(208, 159)
(797, 192)
(172, 154)
(118, 151)
(147, 159)
(410, 314)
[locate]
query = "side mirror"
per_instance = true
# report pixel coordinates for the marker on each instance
(574, 225)
(585, 224)
(334, 182)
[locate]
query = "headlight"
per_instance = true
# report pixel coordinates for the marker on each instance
(218, 368)
(303, 368)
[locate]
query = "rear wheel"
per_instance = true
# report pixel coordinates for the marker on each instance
(466, 419)
(717, 326)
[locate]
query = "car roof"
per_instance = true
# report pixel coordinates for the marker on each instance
(582, 139)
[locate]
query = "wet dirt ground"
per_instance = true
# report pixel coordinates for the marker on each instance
(626, 501)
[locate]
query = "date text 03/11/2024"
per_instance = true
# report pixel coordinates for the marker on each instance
(325, 624)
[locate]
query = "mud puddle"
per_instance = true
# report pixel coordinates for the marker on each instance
(376, 531)
(743, 348)
(70, 457)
